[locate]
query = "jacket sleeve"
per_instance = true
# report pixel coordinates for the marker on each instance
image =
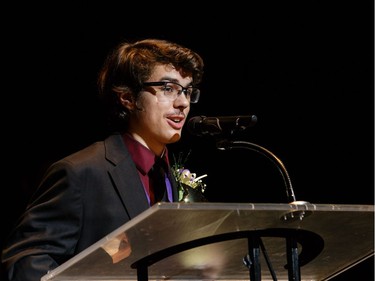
(46, 234)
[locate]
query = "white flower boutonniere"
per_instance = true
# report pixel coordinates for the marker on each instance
(190, 187)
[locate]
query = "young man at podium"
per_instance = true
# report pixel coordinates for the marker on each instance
(147, 87)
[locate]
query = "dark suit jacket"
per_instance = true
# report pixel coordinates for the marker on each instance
(81, 199)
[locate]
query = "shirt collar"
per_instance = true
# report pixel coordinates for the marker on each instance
(143, 158)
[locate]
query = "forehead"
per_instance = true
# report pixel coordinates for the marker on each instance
(169, 72)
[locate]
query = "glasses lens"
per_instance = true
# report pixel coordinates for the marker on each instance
(173, 90)
(194, 95)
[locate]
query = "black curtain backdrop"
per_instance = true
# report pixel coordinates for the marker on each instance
(304, 68)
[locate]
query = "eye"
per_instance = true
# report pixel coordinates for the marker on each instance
(168, 88)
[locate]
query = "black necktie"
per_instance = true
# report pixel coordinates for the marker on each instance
(157, 180)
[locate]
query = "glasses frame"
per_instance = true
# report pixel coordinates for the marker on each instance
(183, 90)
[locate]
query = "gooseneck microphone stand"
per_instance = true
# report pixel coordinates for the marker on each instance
(228, 145)
(222, 126)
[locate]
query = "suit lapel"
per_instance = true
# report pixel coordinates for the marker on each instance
(125, 177)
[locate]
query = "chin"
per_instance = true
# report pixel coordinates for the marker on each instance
(175, 138)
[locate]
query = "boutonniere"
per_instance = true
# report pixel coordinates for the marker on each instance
(190, 187)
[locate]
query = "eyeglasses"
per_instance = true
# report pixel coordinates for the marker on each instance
(173, 90)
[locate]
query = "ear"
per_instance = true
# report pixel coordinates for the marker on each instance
(127, 100)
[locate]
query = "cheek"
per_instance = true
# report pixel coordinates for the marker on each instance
(152, 113)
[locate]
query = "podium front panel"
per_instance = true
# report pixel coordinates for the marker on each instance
(210, 241)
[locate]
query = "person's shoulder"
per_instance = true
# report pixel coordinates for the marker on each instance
(96, 151)
(86, 153)
(98, 148)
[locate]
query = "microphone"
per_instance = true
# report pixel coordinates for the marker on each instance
(202, 125)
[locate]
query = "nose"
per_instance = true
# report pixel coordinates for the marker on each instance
(181, 101)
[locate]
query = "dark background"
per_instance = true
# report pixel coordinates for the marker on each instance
(306, 70)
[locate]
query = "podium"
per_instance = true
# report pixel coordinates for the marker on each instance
(229, 241)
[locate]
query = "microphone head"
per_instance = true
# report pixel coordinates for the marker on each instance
(221, 125)
(194, 125)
